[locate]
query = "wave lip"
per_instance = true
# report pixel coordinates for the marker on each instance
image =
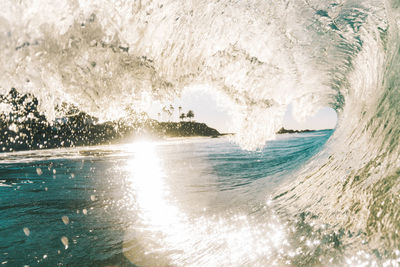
(261, 55)
(103, 57)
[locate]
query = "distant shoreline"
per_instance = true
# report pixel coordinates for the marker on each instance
(79, 131)
(285, 131)
(182, 129)
(25, 128)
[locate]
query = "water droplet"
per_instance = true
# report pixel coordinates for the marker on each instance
(44, 256)
(26, 231)
(39, 171)
(84, 211)
(64, 240)
(65, 219)
(93, 197)
(54, 171)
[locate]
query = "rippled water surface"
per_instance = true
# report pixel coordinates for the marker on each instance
(177, 202)
(205, 202)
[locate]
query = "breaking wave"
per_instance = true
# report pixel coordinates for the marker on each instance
(103, 56)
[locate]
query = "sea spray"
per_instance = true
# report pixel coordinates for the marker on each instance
(103, 56)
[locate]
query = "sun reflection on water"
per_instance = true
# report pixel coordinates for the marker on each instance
(147, 180)
(165, 235)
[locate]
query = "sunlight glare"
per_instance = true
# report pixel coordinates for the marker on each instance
(147, 180)
(165, 232)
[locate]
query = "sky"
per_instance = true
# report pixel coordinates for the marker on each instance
(206, 109)
(325, 118)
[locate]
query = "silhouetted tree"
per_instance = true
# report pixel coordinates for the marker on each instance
(171, 111)
(167, 111)
(190, 114)
(180, 112)
(182, 116)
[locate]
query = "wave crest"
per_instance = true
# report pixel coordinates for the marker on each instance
(263, 55)
(103, 56)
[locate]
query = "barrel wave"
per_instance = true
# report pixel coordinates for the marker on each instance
(261, 56)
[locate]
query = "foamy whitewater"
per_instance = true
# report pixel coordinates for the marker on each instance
(257, 57)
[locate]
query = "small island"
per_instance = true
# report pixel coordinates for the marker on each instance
(284, 131)
(25, 128)
(183, 129)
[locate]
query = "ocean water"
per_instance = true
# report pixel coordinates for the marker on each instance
(179, 202)
(255, 57)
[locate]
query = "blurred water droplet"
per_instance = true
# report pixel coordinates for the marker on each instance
(39, 171)
(54, 171)
(26, 231)
(84, 211)
(64, 240)
(93, 197)
(72, 175)
(44, 256)
(65, 219)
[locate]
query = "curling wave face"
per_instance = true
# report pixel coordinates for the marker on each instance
(104, 56)
(261, 55)
(353, 184)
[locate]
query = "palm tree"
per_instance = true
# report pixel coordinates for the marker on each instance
(164, 110)
(190, 114)
(167, 111)
(171, 111)
(182, 116)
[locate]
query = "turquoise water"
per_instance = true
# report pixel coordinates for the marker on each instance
(205, 202)
(146, 203)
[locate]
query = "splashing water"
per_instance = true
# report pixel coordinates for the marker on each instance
(104, 56)
(261, 55)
